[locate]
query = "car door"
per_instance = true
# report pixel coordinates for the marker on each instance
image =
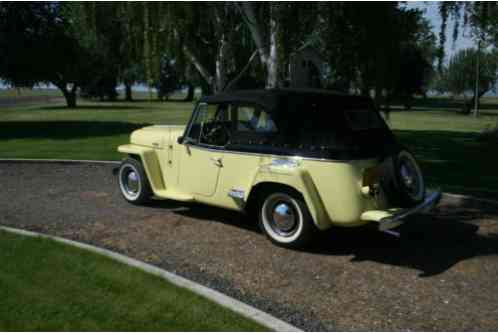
(252, 129)
(202, 154)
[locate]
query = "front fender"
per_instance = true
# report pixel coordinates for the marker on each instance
(150, 163)
(290, 174)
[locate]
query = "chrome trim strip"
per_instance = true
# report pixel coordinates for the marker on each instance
(236, 193)
(224, 150)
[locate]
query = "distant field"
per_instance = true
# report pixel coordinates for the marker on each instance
(23, 92)
(443, 140)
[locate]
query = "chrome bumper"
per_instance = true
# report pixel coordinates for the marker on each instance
(396, 219)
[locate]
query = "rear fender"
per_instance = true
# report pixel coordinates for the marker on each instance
(295, 177)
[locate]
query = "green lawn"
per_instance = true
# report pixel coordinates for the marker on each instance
(443, 140)
(91, 131)
(47, 286)
(445, 143)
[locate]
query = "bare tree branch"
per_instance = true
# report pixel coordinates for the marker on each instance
(242, 72)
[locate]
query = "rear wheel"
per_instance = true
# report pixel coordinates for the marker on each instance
(133, 182)
(285, 219)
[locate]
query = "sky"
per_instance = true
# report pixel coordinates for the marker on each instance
(432, 14)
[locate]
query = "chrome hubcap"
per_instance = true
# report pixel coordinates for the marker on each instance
(407, 177)
(410, 176)
(130, 182)
(283, 217)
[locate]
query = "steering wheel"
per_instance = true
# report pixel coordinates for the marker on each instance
(216, 134)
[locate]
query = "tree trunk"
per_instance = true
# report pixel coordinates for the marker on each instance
(70, 96)
(266, 41)
(471, 104)
(232, 83)
(272, 59)
(208, 78)
(128, 93)
(221, 75)
(190, 93)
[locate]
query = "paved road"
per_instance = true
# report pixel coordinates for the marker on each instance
(441, 275)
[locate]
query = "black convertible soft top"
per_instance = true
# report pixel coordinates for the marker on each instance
(312, 123)
(272, 99)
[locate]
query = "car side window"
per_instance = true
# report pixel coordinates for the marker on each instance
(251, 118)
(211, 125)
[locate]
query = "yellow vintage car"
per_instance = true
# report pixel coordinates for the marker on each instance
(303, 160)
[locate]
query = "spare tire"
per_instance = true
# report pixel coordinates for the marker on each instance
(402, 181)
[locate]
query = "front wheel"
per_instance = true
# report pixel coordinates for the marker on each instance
(133, 182)
(286, 220)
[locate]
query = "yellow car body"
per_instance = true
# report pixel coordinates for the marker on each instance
(332, 189)
(336, 192)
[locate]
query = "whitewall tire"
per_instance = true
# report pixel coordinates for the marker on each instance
(285, 219)
(133, 182)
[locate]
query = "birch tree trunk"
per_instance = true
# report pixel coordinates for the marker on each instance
(272, 59)
(221, 75)
(265, 38)
(146, 49)
(197, 64)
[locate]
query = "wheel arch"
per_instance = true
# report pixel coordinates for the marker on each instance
(305, 191)
(148, 157)
(262, 188)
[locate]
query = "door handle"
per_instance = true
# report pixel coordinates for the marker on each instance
(216, 161)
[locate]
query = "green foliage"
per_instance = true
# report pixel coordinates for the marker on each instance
(36, 47)
(106, 30)
(458, 78)
(381, 47)
(480, 16)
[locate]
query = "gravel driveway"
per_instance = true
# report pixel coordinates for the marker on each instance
(441, 275)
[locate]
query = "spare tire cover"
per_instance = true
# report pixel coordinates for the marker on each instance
(402, 181)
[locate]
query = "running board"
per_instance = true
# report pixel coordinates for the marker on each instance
(174, 195)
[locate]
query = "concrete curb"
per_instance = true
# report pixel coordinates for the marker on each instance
(243, 309)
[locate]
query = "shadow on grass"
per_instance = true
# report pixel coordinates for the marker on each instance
(157, 100)
(443, 104)
(456, 161)
(64, 130)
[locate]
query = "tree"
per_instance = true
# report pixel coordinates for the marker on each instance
(36, 48)
(112, 31)
(458, 77)
(481, 17)
(168, 79)
(383, 47)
